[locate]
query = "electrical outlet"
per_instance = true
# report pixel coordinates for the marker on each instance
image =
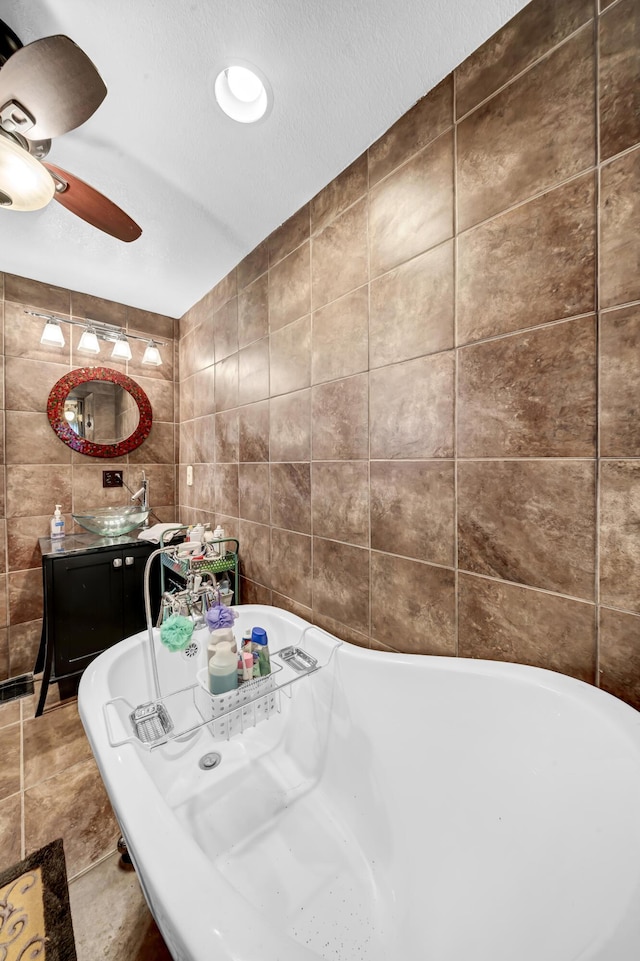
(112, 478)
(189, 476)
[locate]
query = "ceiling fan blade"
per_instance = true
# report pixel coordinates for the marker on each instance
(55, 82)
(90, 205)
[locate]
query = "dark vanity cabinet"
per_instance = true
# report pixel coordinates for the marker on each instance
(93, 598)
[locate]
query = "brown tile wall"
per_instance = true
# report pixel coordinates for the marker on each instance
(417, 402)
(38, 469)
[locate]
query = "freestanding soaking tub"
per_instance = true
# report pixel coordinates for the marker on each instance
(392, 807)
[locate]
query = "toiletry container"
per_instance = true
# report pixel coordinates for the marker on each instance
(245, 666)
(197, 533)
(218, 534)
(261, 642)
(223, 669)
(221, 635)
(57, 524)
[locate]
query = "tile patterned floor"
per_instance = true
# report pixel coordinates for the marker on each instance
(50, 787)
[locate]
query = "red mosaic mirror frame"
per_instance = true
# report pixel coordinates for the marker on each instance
(55, 412)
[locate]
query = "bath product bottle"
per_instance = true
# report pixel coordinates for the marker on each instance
(259, 638)
(197, 533)
(57, 524)
(223, 669)
(221, 635)
(218, 534)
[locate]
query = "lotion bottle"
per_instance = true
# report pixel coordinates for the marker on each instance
(221, 635)
(223, 669)
(220, 549)
(57, 524)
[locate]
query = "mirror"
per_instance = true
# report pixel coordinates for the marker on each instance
(99, 411)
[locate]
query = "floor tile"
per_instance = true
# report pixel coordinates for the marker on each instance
(72, 805)
(52, 743)
(111, 919)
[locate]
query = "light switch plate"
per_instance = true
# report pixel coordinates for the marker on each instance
(189, 476)
(112, 478)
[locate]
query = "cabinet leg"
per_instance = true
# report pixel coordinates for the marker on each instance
(44, 659)
(43, 690)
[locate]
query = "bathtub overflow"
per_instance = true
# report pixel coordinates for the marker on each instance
(208, 761)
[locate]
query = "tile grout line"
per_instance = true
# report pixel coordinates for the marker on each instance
(456, 574)
(598, 384)
(369, 532)
(23, 839)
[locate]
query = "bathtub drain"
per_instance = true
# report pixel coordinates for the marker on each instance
(208, 761)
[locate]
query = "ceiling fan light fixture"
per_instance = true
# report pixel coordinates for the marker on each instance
(52, 335)
(89, 342)
(243, 92)
(121, 349)
(152, 355)
(24, 183)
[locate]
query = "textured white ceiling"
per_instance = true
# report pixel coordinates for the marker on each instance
(204, 189)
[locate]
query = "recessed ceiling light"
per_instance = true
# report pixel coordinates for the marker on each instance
(243, 92)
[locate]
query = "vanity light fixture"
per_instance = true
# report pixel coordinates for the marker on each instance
(52, 335)
(93, 332)
(152, 355)
(121, 349)
(89, 342)
(243, 92)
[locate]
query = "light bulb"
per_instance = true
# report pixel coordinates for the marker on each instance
(243, 94)
(89, 342)
(24, 183)
(121, 349)
(244, 84)
(52, 335)
(152, 355)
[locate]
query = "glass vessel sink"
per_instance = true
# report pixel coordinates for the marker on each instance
(112, 521)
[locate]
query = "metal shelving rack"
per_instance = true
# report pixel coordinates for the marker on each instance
(227, 563)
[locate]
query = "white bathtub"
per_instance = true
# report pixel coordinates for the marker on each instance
(398, 807)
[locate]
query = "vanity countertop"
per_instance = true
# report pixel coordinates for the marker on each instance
(77, 543)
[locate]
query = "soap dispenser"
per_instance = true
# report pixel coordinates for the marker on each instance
(57, 524)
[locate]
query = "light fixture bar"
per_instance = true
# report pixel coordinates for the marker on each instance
(102, 331)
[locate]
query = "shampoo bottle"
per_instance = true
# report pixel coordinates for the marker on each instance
(261, 645)
(223, 669)
(57, 524)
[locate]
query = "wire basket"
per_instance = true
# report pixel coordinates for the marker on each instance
(245, 706)
(184, 566)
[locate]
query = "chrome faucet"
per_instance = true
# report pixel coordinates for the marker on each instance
(143, 494)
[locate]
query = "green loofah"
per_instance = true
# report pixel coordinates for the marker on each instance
(176, 632)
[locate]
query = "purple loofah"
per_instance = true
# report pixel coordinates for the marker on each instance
(220, 616)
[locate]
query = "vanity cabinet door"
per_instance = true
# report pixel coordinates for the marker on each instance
(96, 600)
(133, 613)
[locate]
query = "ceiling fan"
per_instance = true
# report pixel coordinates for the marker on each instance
(47, 88)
